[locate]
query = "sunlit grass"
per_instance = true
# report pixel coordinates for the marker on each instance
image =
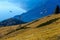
(50, 30)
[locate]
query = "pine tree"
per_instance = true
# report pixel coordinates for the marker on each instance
(57, 10)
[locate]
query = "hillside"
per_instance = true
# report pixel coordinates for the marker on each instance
(10, 22)
(47, 28)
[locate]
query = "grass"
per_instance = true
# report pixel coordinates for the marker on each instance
(40, 33)
(48, 22)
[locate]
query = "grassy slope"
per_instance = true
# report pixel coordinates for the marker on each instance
(43, 33)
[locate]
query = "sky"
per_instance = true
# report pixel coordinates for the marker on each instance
(59, 2)
(27, 4)
(8, 10)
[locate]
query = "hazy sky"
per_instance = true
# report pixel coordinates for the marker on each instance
(8, 10)
(27, 4)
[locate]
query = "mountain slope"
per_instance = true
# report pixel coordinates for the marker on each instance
(11, 21)
(31, 31)
(50, 32)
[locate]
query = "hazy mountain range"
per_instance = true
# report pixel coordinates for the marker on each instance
(33, 14)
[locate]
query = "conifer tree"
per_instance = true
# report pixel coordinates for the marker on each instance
(57, 10)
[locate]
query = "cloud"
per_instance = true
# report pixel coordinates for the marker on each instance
(27, 4)
(8, 10)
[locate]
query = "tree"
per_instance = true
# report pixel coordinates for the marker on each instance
(57, 10)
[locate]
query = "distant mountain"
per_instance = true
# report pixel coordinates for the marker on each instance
(10, 21)
(33, 14)
(38, 12)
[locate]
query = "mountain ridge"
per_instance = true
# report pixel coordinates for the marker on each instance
(33, 27)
